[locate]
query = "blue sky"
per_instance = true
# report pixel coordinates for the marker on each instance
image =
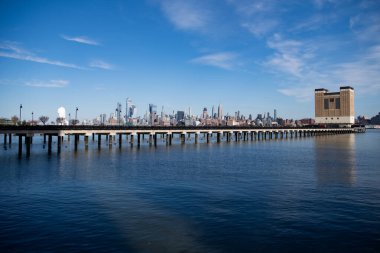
(251, 56)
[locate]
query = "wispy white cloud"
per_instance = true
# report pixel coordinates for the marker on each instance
(81, 39)
(362, 72)
(185, 15)
(302, 94)
(101, 64)
(321, 3)
(48, 84)
(259, 29)
(288, 56)
(12, 50)
(366, 27)
(258, 17)
(314, 22)
(224, 60)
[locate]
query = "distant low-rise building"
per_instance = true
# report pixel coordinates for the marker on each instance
(376, 120)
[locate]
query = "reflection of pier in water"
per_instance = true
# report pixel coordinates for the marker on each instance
(135, 135)
(335, 160)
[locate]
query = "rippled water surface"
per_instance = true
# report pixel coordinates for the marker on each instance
(315, 194)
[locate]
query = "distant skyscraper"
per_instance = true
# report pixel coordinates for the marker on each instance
(152, 109)
(220, 112)
(275, 114)
(152, 113)
(129, 109)
(180, 115)
(118, 113)
(213, 112)
(204, 114)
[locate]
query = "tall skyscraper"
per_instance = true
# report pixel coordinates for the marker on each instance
(118, 113)
(220, 112)
(128, 110)
(213, 112)
(204, 114)
(180, 115)
(152, 113)
(275, 114)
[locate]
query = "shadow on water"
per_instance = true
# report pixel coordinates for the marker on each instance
(335, 160)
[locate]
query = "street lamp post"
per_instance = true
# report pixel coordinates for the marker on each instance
(20, 112)
(76, 114)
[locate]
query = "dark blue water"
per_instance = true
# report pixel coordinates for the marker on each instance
(316, 194)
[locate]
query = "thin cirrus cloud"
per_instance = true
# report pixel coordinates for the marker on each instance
(101, 65)
(185, 15)
(48, 84)
(224, 60)
(14, 51)
(81, 39)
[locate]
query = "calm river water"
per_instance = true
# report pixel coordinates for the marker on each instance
(314, 194)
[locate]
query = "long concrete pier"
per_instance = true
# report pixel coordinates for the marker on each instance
(135, 135)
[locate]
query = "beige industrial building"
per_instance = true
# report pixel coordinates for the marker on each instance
(335, 107)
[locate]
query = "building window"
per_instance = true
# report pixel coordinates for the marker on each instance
(326, 103)
(337, 103)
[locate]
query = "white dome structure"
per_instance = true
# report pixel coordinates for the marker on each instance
(61, 112)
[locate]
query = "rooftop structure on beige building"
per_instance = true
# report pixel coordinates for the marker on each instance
(335, 107)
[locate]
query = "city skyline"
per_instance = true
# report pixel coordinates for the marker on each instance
(251, 56)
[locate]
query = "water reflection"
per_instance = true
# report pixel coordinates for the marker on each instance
(335, 160)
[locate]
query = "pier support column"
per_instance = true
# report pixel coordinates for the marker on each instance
(150, 139)
(68, 137)
(228, 137)
(155, 140)
(170, 139)
(5, 139)
(93, 137)
(10, 139)
(86, 142)
(218, 137)
(208, 138)
(138, 139)
(196, 138)
(110, 139)
(59, 144)
(132, 139)
(19, 146)
(44, 138)
(76, 138)
(120, 140)
(183, 137)
(27, 140)
(50, 140)
(99, 140)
